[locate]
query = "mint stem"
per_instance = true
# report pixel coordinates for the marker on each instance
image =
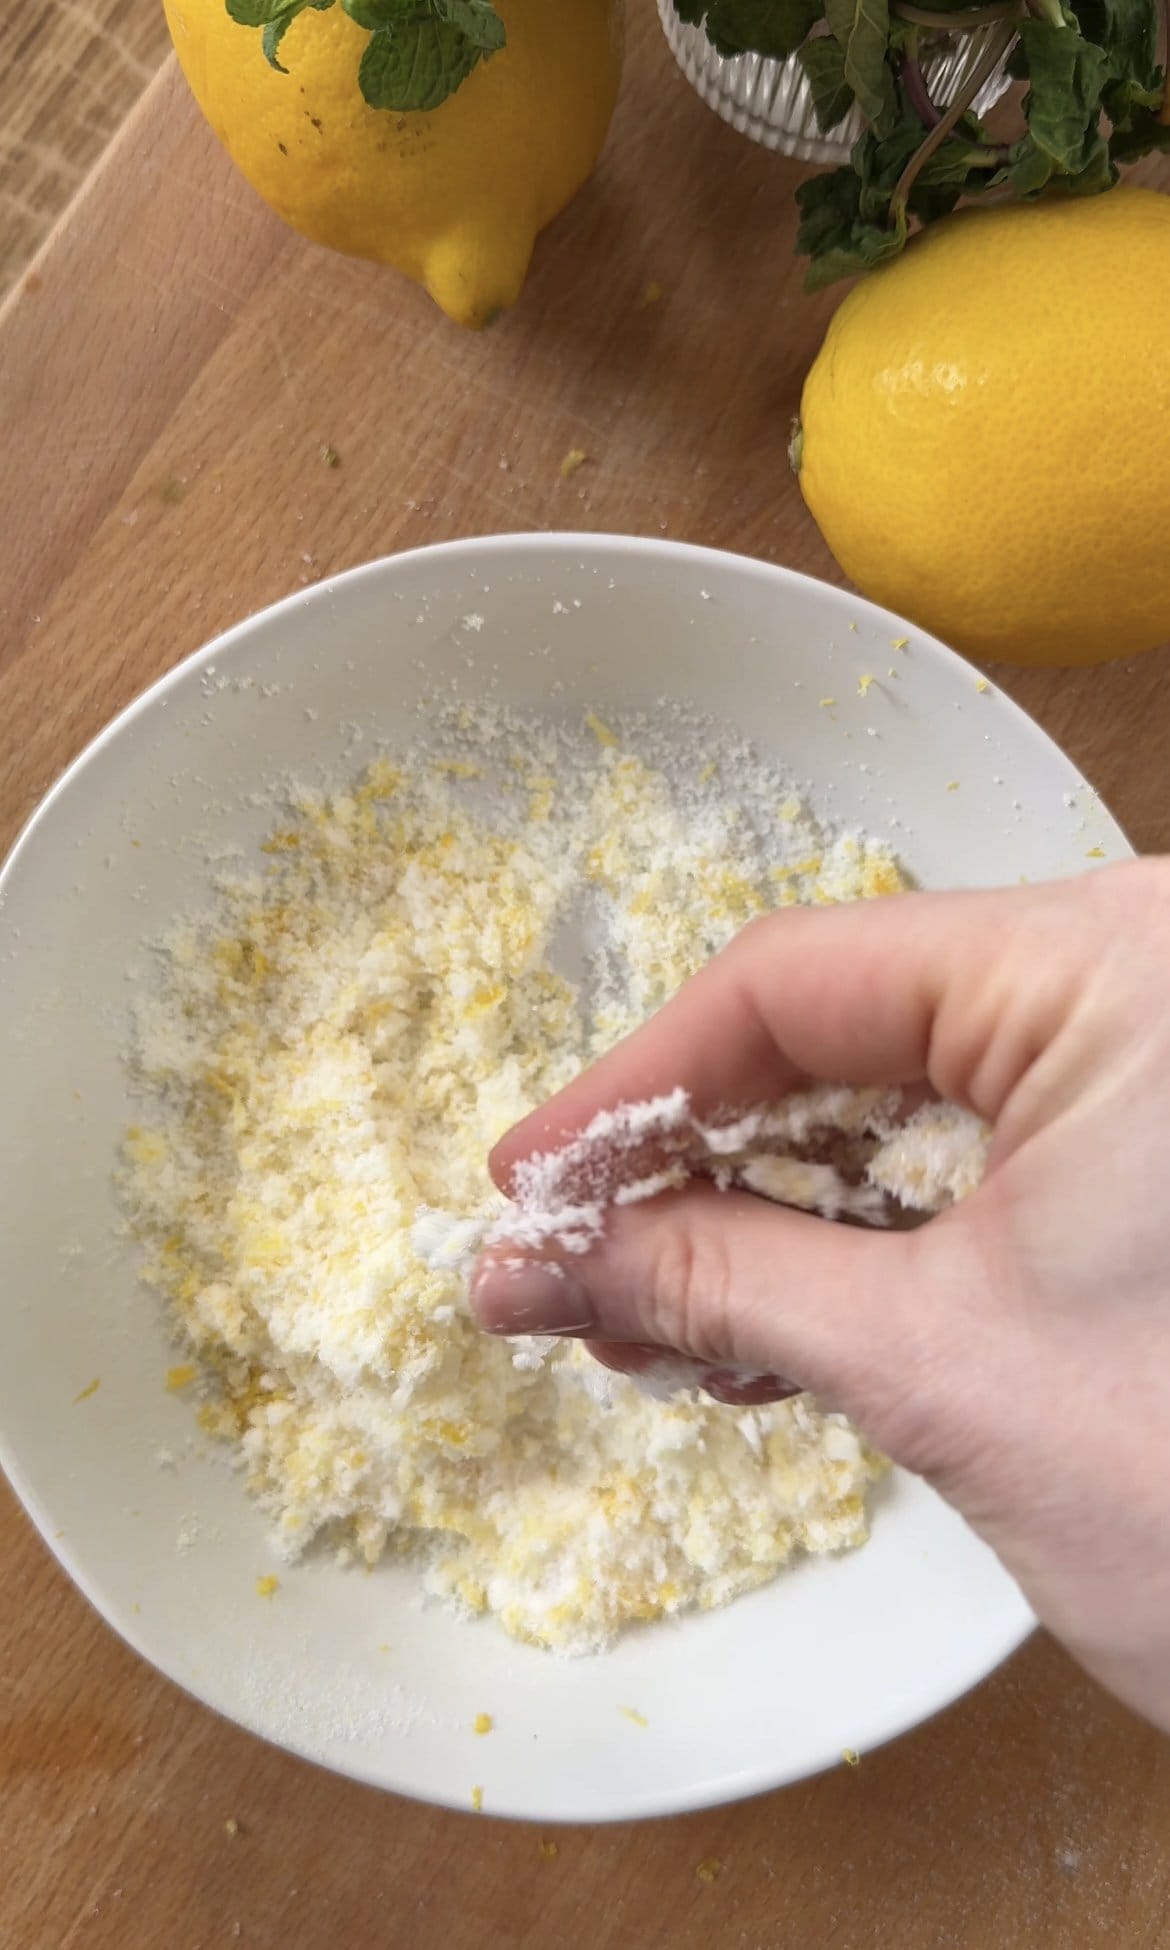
(998, 44)
(917, 92)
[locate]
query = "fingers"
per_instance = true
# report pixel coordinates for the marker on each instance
(660, 1370)
(731, 1282)
(922, 987)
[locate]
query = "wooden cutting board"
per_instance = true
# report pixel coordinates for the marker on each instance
(68, 80)
(171, 373)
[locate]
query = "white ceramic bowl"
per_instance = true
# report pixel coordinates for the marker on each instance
(837, 1654)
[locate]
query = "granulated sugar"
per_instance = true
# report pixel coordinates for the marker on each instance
(421, 959)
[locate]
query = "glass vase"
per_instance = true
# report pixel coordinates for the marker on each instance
(771, 101)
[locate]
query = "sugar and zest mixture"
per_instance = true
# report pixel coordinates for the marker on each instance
(324, 1068)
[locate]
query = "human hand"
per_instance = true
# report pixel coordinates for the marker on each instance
(1016, 1349)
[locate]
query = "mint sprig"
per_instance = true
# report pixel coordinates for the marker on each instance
(1096, 97)
(419, 51)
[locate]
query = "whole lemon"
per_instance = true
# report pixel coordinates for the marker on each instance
(453, 196)
(985, 433)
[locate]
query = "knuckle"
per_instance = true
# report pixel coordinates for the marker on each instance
(690, 1289)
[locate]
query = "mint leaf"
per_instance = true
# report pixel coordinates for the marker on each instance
(1097, 172)
(1062, 107)
(385, 13)
(415, 64)
(477, 21)
(1031, 172)
(262, 13)
(1144, 134)
(271, 38)
(866, 250)
(1127, 30)
(833, 233)
(940, 182)
(861, 29)
(1030, 169)
(867, 247)
(275, 29)
(1125, 96)
(773, 28)
(828, 206)
(823, 61)
(878, 165)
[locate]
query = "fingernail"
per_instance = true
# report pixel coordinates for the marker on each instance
(747, 1388)
(528, 1297)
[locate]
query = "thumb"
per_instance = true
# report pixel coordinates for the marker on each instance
(735, 1283)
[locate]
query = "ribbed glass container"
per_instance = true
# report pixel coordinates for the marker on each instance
(771, 101)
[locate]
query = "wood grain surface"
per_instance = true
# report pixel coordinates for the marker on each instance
(168, 378)
(70, 71)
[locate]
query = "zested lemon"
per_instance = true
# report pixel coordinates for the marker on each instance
(454, 196)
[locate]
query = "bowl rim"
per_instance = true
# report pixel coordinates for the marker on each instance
(538, 541)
